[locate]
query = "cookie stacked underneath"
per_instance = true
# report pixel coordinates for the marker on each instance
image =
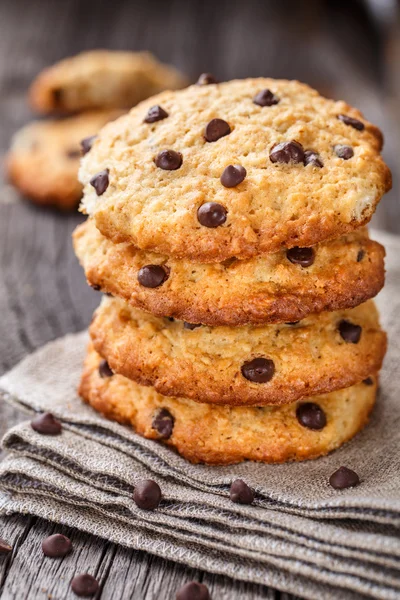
(227, 232)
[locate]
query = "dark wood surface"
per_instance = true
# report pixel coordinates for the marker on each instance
(43, 294)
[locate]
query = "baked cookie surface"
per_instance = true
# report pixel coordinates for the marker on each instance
(208, 173)
(102, 79)
(248, 365)
(225, 435)
(43, 161)
(273, 288)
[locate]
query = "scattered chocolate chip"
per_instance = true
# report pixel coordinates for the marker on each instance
(352, 122)
(56, 546)
(233, 175)
(152, 276)
(191, 326)
(193, 591)
(147, 494)
(105, 369)
(46, 424)
(216, 129)
(211, 214)
(360, 255)
(344, 478)
(155, 113)
(368, 381)
(241, 493)
(265, 98)
(87, 143)
(169, 160)
(100, 181)
(312, 158)
(311, 415)
(4, 547)
(287, 152)
(163, 423)
(301, 256)
(350, 333)
(73, 153)
(258, 370)
(344, 152)
(206, 79)
(84, 585)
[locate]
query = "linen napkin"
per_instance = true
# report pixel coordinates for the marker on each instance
(300, 536)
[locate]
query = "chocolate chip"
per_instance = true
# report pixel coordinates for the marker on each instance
(287, 152)
(100, 181)
(352, 122)
(206, 79)
(350, 333)
(163, 423)
(169, 160)
(211, 214)
(265, 98)
(87, 143)
(57, 94)
(105, 369)
(292, 323)
(233, 175)
(155, 113)
(344, 152)
(241, 493)
(95, 286)
(312, 158)
(46, 424)
(301, 256)
(216, 129)
(84, 585)
(147, 494)
(258, 370)
(311, 415)
(73, 153)
(56, 546)
(191, 326)
(360, 255)
(368, 381)
(152, 276)
(344, 478)
(4, 547)
(193, 591)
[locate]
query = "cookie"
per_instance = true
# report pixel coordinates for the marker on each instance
(226, 435)
(273, 288)
(43, 161)
(220, 174)
(102, 79)
(247, 365)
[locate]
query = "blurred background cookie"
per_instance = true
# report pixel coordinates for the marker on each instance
(102, 79)
(43, 161)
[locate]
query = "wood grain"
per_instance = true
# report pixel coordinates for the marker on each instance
(43, 294)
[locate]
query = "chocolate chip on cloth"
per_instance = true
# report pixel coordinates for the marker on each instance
(147, 494)
(210, 434)
(344, 478)
(56, 546)
(266, 289)
(163, 423)
(5, 548)
(212, 126)
(193, 591)
(246, 365)
(85, 585)
(241, 493)
(46, 424)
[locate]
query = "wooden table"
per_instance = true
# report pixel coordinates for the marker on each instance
(43, 294)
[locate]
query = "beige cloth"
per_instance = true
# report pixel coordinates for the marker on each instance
(300, 536)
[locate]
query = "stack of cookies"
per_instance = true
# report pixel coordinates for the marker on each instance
(227, 232)
(92, 88)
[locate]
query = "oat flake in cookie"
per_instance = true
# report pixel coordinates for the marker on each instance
(319, 157)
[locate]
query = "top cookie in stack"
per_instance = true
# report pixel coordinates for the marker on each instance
(237, 209)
